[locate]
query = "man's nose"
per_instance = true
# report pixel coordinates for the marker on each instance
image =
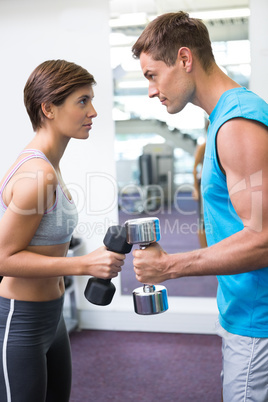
(152, 91)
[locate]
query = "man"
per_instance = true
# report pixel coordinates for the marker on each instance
(176, 57)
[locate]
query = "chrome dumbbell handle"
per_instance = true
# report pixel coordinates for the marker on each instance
(148, 299)
(143, 231)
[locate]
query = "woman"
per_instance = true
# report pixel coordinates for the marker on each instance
(37, 218)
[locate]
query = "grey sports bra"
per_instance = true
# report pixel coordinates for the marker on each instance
(58, 222)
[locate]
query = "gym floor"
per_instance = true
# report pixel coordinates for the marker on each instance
(145, 367)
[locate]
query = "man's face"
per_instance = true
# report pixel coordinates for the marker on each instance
(171, 84)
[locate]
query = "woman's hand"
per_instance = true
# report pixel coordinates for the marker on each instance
(104, 264)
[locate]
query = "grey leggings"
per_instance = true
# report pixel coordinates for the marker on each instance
(35, 361)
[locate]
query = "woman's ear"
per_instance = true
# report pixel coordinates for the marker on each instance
(185, 56)
(48, 110)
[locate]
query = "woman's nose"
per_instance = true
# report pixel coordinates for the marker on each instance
(92, 112)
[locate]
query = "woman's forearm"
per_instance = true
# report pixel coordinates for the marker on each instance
(101, 263)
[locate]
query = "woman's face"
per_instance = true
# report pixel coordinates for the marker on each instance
(74, 117)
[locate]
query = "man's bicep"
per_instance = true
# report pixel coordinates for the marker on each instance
(243, 153)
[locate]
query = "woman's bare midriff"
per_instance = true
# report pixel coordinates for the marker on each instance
(36, 289)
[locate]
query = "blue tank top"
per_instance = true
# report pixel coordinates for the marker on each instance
(59, 221)
(242, 298)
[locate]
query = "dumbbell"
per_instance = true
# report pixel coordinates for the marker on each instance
(148, 299)
(101, 291)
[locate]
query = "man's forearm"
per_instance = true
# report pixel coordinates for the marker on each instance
(242, 252)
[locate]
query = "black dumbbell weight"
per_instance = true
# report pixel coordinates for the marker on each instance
(101, 291)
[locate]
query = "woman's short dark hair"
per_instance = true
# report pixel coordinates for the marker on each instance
(166, 34)
(52, 82)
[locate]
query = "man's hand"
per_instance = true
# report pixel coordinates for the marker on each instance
(150, 264)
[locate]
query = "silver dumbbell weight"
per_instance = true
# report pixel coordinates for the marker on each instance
(148, 299)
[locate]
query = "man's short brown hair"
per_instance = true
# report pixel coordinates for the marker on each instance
(166, 34)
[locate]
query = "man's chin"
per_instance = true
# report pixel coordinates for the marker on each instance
(173, 110)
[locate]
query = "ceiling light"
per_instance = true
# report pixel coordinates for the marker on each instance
(126, 20)
(221, 14)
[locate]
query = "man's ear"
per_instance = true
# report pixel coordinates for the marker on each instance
(185, 56)
(48, 110)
